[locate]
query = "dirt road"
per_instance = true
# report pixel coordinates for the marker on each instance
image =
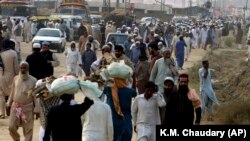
(195, 57)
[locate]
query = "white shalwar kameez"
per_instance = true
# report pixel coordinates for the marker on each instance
(203, 37)
(187, 48)
(73, 60)
(195, 38)
(146, 116)
(97, 123)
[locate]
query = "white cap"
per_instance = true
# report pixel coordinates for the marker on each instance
(137, 42)
(160, 43)
(36, 45)
(169, 79)
(156, 35)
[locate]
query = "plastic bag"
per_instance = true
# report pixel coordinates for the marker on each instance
(65, 85)
(119, 70)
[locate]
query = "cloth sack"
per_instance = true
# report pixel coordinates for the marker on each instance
(119, 70)
(65, 85)
(90, 89)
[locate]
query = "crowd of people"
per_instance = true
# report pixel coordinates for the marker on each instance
(156, 94)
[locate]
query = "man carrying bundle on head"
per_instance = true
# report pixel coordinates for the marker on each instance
(119, 98)
(64, 120)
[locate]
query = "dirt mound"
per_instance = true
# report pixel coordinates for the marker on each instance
(231, 74)
(231, 82)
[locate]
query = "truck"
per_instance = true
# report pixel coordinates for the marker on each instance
(74, 7)
(17, 8)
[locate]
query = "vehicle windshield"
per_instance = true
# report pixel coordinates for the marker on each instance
(18, 11)
(96, 20)
(118, 39)
(51, 33)
(75, 11)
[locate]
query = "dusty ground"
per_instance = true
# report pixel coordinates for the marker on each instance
(195, 57)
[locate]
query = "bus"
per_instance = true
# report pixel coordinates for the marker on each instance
(17, 8)
(74, 7)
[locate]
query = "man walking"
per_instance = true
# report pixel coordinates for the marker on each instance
(64, 120)
(164, 67)
(182, 105)
(73, 58)
(208, 96)
(37, 70)
(119, 98)
(22, 104)
(145, 112)
(8, 70)
(52, 60)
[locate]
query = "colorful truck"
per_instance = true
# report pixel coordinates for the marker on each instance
(74, 7)
(17, 8)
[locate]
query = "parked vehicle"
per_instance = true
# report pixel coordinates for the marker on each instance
(117, 38)
(52, 35)
(74, 7)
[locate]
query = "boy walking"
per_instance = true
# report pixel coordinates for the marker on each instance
(145, 112)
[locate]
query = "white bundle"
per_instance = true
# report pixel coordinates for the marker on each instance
(65, 85)
(90, 89)
(119, 70)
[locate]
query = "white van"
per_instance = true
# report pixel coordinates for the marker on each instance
(73, 23)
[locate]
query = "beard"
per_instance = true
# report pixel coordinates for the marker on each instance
(183, 89)
(167, 92)
(24, 76)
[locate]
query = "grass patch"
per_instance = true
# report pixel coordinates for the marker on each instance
(229, 41)
(231, 77)
(235, 112)
(194, 81)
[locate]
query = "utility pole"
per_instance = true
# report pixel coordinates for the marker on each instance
(190, 7)
(106, 6)
(162, 5)
(245, 9)
(117, 3)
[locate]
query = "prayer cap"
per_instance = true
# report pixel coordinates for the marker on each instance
(105, 46)
(45, 43)
(110, 43)
(169, 79)
(24, 63)
(160, 43)
(36, 45)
